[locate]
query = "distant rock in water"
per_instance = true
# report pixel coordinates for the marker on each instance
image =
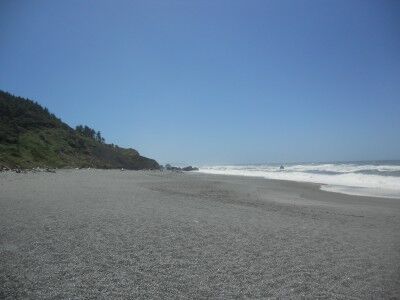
(186, 169)
(281, 167)
(190, 168)
(168, 167)
(31, 136)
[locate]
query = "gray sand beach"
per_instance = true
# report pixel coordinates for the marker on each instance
(158, 235)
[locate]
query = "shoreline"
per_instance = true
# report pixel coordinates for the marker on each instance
(328, 187)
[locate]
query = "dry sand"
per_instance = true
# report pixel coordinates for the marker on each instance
(111, 234)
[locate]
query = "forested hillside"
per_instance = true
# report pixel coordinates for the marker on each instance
(31, 136)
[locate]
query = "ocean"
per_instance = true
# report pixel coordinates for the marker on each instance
(364, 178)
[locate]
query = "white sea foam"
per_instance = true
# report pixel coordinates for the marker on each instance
(355, 179)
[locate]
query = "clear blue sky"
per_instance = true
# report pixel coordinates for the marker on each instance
(207, 82)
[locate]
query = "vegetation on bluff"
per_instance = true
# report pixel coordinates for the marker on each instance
(31, 136)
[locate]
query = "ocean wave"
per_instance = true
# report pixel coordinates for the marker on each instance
(367, 179)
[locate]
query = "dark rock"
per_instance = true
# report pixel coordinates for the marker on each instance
(168, 167)
(190, 168)
(177, 169)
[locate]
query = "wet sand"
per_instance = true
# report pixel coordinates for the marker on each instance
(153, 235)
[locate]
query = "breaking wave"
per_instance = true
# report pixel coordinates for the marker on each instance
(380, 179)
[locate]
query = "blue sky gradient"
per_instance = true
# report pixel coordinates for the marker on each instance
(211, 82)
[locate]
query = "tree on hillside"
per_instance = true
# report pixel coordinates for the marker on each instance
(79, 128)
(99, 138)
(90, 133)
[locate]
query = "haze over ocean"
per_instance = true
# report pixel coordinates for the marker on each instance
(214, 82)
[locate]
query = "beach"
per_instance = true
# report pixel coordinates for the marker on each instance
(167, 235)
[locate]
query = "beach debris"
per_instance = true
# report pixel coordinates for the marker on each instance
(33, 170)
(4, 168)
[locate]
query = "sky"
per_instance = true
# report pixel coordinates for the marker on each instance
(214, 82)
